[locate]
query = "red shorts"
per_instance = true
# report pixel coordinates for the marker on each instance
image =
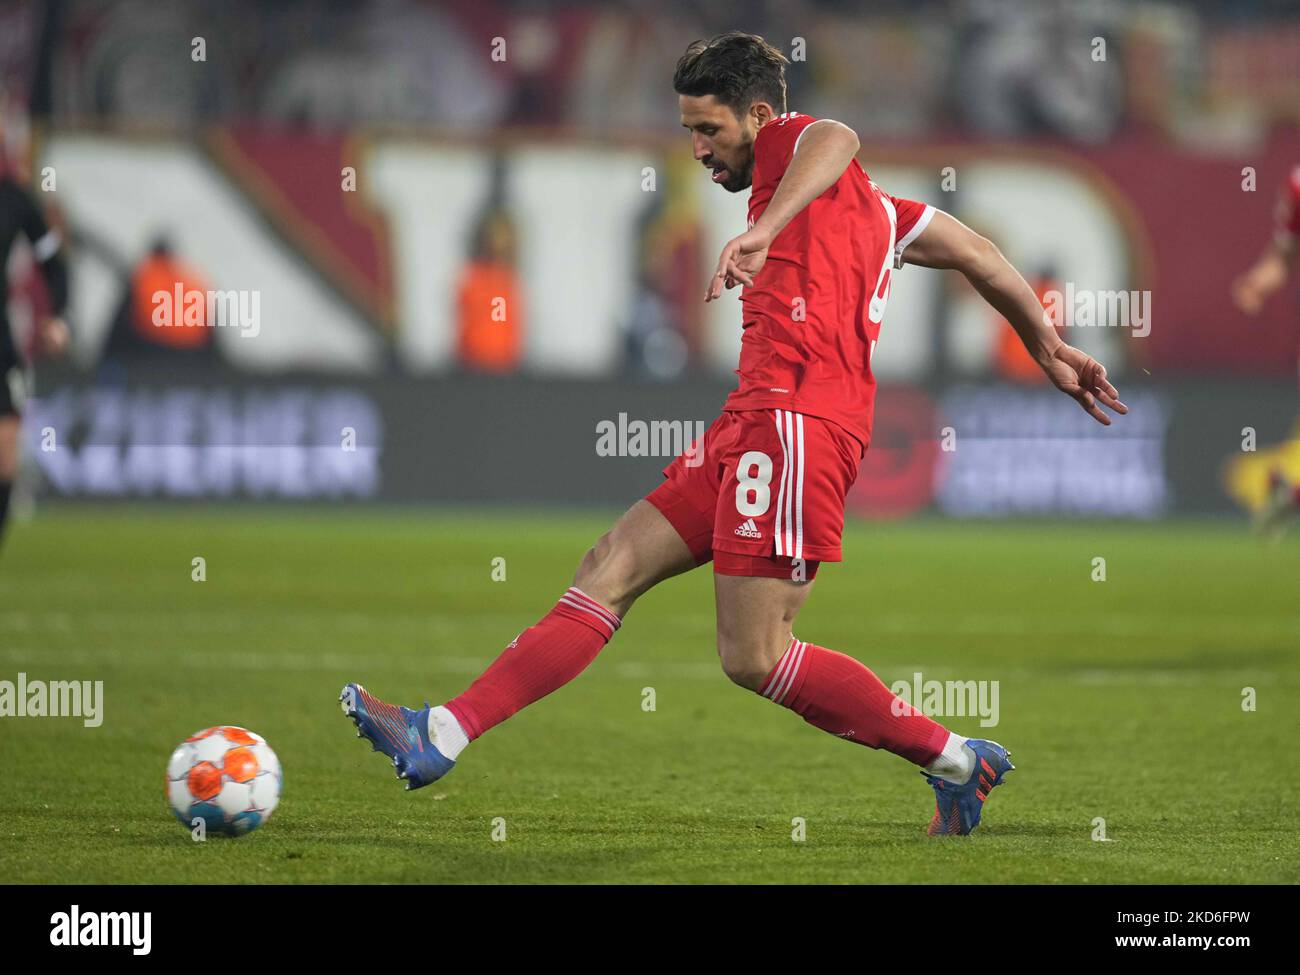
(764, 494)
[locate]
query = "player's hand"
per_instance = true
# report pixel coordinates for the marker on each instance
(1247, 295)
(741, 259)
(1083, 378)
(52, 337)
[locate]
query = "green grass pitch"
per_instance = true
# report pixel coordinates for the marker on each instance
(1120, 700)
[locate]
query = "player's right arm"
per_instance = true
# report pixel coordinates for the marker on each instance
(821, 151)
(1270, 272)
(1267, 275)
(948, 243)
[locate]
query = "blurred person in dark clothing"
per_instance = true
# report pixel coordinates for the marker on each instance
(1039, 70)
(21, 214)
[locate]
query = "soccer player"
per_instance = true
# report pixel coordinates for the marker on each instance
(19, 213)
(766, 506)
(1250, 291)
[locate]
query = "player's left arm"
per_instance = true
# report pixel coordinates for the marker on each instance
(824, 151)
(948, 243)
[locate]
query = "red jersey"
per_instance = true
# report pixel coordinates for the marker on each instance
(1288, 206)
(813, 316)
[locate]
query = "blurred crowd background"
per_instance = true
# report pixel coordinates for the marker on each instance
(438, 190)
(1194, 70)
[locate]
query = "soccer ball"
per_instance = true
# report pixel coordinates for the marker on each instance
(225, 776)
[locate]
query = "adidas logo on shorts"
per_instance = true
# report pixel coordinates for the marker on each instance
(749, 530)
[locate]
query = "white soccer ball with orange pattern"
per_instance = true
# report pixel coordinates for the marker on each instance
(226, 777)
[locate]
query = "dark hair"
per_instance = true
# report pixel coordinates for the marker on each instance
(738, 69)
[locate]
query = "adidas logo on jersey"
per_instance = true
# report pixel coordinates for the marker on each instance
(749, 530)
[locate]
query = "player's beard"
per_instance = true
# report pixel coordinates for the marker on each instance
(740, 177)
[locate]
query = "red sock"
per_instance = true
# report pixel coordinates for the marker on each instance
(838, 694)
(543, 658)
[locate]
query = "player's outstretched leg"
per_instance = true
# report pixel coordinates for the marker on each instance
(641, 550)
(838, 694)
